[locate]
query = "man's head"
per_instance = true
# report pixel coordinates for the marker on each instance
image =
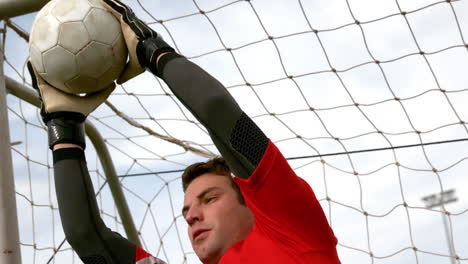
(214, 209)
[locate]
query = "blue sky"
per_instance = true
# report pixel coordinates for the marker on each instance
(384, 179)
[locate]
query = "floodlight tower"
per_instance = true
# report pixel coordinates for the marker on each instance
(439, 199)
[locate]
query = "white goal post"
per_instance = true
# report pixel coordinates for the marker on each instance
(9, 233)
(12, 8)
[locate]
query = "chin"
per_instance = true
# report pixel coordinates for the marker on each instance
(205, 258)
(207, 253)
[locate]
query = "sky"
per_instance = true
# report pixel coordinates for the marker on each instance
(338, 100)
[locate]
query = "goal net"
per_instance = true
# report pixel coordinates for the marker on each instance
(366, 99)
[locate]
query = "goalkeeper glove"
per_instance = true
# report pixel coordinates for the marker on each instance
(64, 114)
(143, 43)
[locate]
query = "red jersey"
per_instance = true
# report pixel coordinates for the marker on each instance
(143, 257)
(290, 225)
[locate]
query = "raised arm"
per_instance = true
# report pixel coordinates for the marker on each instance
(240, 141)
(84, 229)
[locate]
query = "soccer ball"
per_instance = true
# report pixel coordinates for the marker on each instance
(77, 46)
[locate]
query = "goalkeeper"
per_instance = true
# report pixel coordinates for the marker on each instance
(266, 214)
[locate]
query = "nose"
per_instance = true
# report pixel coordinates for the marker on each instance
(194, 214)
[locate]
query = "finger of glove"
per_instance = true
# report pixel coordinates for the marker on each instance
(32, 73)
(131, 36)
(126, 16)
(36, 79)
(133, 67)
(57, 101)
(116, 8)
(132, 70)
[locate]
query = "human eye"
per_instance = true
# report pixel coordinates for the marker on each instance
(210, 199)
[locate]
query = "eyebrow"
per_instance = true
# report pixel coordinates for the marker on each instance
(199, 197)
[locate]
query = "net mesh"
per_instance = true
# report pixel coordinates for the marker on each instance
(367, 99)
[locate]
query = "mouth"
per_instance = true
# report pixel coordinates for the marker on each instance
(200, 234)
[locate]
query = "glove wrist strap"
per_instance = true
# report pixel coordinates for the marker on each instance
(63, 130)
(149, 50)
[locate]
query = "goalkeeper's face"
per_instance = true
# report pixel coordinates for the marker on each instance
(216, 218)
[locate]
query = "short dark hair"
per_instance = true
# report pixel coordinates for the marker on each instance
(216, 166)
